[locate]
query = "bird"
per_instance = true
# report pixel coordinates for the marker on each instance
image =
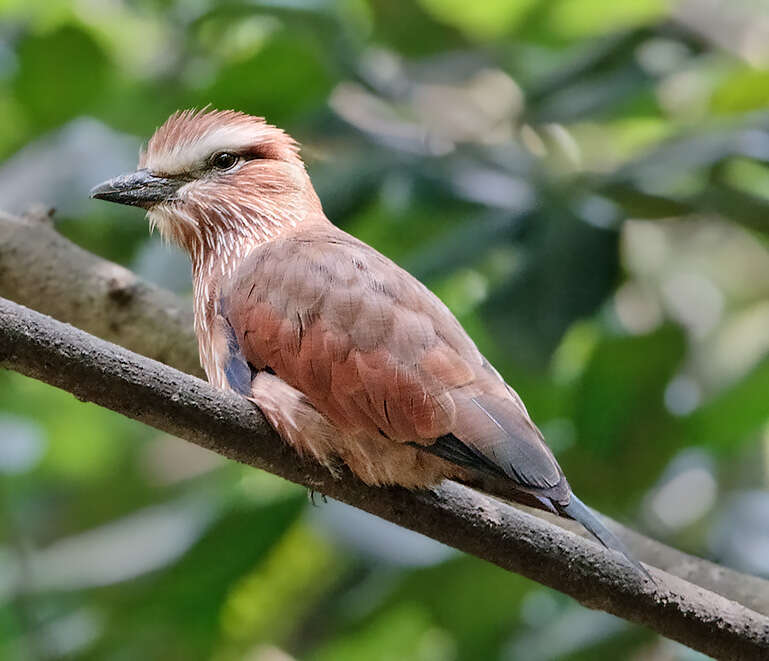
(350, 358)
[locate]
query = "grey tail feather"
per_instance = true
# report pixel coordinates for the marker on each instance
(581, 513)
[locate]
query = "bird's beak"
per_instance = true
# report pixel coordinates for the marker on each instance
(138, 189)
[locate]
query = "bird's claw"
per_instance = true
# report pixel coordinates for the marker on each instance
(311, 495)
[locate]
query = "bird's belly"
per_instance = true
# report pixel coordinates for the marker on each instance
(373, 458)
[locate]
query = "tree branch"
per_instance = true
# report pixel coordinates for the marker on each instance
(43, 270)
(153, 393)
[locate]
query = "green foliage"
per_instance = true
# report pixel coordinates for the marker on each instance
(74, 72)
(742, 91)
(497, 149)
(577, 18)
(480, 20)
(735, 416)
(292, 62)
(189, 596)
(639, 367)
(531, 312)
(624, 433)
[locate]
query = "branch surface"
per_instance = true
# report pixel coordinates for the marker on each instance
(146, 390)
(45, 271)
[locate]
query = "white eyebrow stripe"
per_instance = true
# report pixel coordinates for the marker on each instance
(191, 154)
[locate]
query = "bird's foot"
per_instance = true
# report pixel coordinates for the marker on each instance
(311, 496)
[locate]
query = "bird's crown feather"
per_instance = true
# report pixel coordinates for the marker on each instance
(189, 137)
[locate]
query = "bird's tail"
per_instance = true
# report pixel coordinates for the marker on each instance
(581, 513)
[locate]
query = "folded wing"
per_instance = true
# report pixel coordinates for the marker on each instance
(377, 353)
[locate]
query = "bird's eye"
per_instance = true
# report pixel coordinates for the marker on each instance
(223, 160)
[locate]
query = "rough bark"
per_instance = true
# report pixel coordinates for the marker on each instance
(158, 395)
(43, 270)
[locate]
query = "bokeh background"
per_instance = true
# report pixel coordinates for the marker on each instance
(584, 182)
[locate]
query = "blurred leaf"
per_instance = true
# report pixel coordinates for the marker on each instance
(610, 144)
(268, 604)
(348, 188)
(746, 209)
(747, 176)
(188, 596)
(577, 18)
(734, 416)
(480, 20)
(624, 433)
(434, 613)
(61, 74)
(465, 244)
(14, 126)
(569, 271)
(684, 176)
(404, 26)
(452, 591)
(634, 134)
(640, 204)
(586, 60)
(404, 633)
(697, 151)
(624, 381)
(401, 231)
(78, 448)
(742, 91)
(285, 79)
(616, 93)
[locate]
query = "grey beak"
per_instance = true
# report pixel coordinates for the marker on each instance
(138, 189)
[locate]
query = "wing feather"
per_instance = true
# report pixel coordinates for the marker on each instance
(374, 351)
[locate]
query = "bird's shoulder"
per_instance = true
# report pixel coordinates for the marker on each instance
(369, 345)
(376, 352)
(323, 273)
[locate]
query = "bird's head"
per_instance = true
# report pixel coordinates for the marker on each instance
(207, 177)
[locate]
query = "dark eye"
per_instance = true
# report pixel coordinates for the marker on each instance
(223, 160)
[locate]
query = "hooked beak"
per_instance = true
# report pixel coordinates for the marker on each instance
(138, 189)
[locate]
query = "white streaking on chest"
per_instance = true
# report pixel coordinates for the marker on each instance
(218, 238)
(208, 274)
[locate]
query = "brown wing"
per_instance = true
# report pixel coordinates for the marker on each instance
(376, 352)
